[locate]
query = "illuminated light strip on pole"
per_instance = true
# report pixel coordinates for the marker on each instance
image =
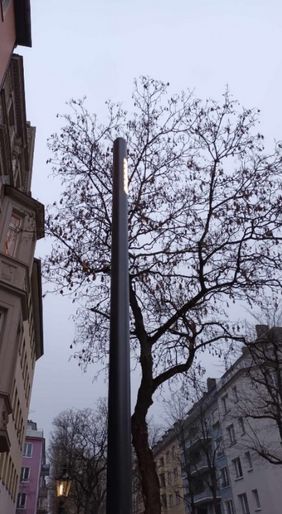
(125, 176)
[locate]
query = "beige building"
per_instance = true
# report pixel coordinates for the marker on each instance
(21, 224)
(168, 463)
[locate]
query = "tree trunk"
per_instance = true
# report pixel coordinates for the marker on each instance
(214, 488)
(187, 465)
(146, 464)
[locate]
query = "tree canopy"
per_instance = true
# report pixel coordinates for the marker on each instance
(204, 230)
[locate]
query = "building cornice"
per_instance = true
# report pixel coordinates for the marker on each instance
(17, 71)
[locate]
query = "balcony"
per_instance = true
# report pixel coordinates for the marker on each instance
(204, 497)
(199, 468)
(197, 442)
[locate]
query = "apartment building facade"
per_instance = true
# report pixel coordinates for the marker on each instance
(245, 411)
(21, 224)
(32, 495)
(200, 436)
(224, 436)
(168, 462)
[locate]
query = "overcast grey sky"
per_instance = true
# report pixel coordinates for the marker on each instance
(96, 48)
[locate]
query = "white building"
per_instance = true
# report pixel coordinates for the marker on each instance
(245, 407)
(229, 428)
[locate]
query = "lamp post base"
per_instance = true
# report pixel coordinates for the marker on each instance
(61, 509)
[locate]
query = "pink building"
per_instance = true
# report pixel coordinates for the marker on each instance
(33, 471)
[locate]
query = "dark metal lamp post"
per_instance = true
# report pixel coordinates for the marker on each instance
(119, 428)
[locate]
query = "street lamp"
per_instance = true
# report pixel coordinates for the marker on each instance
(63, 485)
(119, 434)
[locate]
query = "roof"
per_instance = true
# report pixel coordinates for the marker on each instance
(23, 22)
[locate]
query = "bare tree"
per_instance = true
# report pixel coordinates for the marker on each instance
(204, 220)
(78, 444)
(264, 400)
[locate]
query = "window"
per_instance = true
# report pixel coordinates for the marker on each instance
(25, 474)
(169, 477)
(237, 467)
(235, 394)
(256, 498)
(21, 501)
(175, 474)
(170, 500)
(229, 507)
(164, 502)
(231, 434)
(225, 403)
(4, 466)
(12, 236)
(27, 450)
(196, 458)
(2, 320)
(272, 378)
(14, 485)
(162, 480)
(161, 461)
(5, 4)
(167, 457)
(249, 460)
(193, 433)
(241, 425)
(215, 418)
(11, 114)
(216, 428)
(219, 447)
(1, 463)
(244, 503)
(224, 477)
(8, 477)
(177, 498)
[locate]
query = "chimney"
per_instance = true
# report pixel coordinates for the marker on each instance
(211, 384)
(262, 331)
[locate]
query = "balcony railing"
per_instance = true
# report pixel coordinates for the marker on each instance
(204, 497)
(192, 444)
(199, 468)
